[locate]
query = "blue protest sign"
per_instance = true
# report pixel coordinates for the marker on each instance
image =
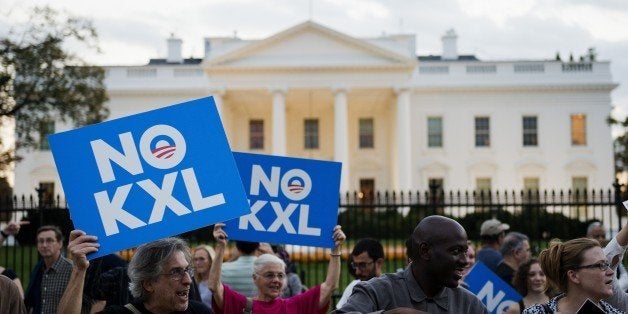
(148, 176)
(293, 200)
(490, 289)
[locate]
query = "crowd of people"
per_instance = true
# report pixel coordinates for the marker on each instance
(167, 276)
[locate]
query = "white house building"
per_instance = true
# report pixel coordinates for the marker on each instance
(397, 121)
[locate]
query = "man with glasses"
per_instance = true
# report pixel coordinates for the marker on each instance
(51, 274)
(159, 273)
(366, 262)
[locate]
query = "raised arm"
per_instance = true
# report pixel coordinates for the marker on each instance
(214, 272)
(12, 228)
(79, 246)
(333, 270)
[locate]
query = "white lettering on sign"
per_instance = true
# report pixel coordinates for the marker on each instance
(162, 147)
(294, 184)
(164, 154)
(493, 301)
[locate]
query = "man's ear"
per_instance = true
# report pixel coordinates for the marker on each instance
(148, 286)
(379, 262)
(424, 251)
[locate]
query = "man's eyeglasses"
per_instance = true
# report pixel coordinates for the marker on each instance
(270, 276)
(603, 266)
(362, 265)
(46, 241)
(178, 273)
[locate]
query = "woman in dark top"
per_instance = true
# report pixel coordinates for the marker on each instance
(531, 283)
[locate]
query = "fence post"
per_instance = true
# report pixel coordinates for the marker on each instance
(618, 203)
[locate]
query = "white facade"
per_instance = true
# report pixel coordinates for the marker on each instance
(310, 72)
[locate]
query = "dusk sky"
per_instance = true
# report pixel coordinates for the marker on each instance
(133, 31)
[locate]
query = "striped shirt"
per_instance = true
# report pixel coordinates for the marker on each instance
(239, 275)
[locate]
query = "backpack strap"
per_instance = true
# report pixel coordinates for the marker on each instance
(132, 308)
(249, 306)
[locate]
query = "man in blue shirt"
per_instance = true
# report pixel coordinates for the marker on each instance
(492, 233)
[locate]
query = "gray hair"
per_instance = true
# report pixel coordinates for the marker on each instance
(266, 259)
(149, 261)
(593, 225)
(512, 242)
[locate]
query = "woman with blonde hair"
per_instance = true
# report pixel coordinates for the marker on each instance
(579, 270)
(203, 257)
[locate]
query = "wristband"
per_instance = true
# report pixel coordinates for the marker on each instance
(337, 254)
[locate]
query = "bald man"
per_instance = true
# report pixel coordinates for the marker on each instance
(430, 283)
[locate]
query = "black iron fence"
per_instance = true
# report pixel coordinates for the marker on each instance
(387, 216)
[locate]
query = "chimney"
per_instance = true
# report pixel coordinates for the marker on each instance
(174, 50)
(450, 45)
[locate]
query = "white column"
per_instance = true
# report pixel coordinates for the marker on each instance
(404, 166)
(218, 94)
(341, 136)
(279, 122)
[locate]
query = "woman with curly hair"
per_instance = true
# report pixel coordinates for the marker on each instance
(531, 283)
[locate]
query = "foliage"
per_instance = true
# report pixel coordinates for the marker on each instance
(621, 144)
(40, 81)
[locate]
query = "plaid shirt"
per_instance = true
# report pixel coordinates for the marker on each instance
(53, 283)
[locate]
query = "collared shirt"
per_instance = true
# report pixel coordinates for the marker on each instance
(53, 283)
(239, 275)
(347, 293)
(400, 289)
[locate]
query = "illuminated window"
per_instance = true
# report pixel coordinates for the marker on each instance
(578, 129)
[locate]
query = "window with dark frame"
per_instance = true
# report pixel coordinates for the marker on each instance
(482, 132)
(367, 191)
(310, 133)
(46, 192)
(366, 131)
(45, 128)
(256, 134)
(434, 132)
(530, 131)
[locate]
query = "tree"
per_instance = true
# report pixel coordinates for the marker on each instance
(620, 144)
(40, 81)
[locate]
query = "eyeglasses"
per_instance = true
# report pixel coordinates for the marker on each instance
(270, 276)
(178, 273)
(46, 241)
(603, 266)
(362, 265)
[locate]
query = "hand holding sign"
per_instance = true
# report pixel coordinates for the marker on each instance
(80, 245)
(339, 238)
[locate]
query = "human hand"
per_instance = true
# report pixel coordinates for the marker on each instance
(339, 237)
(80, 245)
(219, 234)
(13, 227)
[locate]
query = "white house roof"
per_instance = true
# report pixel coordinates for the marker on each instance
(308, 46)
